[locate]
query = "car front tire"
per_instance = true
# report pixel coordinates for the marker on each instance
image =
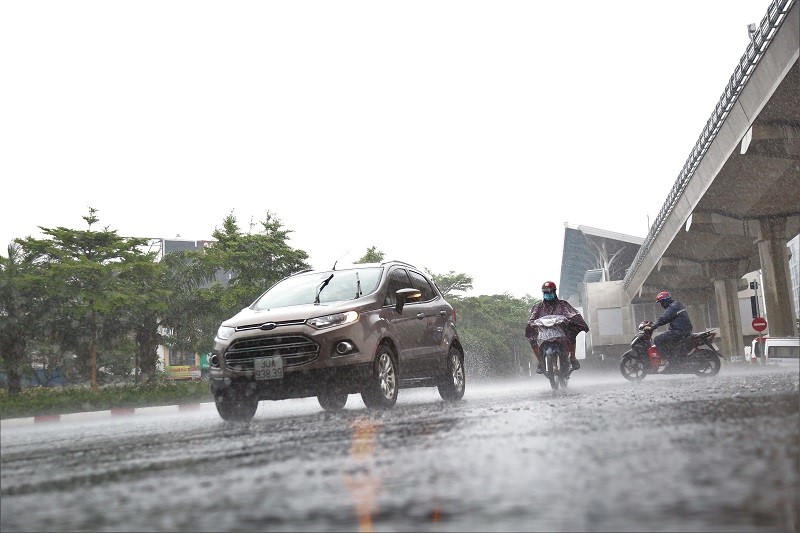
(236, 404)
(381, 390)
(453, 384)
(332, 401)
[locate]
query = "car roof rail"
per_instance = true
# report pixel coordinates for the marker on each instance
(398, 261)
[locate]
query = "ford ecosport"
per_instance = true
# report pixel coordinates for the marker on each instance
(369, 329)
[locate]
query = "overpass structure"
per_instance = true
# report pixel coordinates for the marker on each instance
(734, 205)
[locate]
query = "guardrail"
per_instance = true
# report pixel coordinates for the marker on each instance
(760, 40)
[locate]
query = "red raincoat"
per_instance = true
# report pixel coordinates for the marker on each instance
(556, 307)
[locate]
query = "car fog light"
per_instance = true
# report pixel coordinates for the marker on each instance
(344, 348)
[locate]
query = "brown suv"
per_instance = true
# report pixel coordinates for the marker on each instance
(367, 328)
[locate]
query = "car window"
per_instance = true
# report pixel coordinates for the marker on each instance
(418, 281)
(398, 279)
(792, 352)
(302, 289)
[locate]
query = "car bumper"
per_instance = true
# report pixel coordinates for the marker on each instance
(300, 383)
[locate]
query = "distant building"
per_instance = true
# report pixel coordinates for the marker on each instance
(591, 256)
(599, 254)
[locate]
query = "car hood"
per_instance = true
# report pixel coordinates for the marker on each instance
(248, 316)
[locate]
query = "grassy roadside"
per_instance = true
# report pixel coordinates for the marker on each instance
(37, 401)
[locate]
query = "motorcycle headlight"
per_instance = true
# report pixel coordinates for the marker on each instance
(224, 332)
(337, 319)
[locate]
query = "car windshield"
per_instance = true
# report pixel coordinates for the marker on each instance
(312, 288)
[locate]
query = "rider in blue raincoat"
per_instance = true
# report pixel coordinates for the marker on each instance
(680, 327)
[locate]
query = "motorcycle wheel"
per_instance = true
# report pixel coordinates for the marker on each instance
(708, 363)
(550, 370)
(632, 367)
(563, 372)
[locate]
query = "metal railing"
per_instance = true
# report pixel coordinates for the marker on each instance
(760, 40)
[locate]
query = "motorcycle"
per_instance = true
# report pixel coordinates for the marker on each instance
(694, 355)
(552, 341)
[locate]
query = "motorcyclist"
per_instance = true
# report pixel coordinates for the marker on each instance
(680, 327)
(551, 305)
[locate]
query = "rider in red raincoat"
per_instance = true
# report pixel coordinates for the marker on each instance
(551, 305)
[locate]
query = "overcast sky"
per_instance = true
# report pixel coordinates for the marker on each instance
(455, 135)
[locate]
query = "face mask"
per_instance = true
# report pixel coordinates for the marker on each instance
(549, 296)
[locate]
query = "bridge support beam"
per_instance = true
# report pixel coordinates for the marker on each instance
(726, 295)
(774, 256)
(730, 325)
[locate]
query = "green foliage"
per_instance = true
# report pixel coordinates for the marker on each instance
(63, 400)
(372, 255)
(87, 276)
(492, 330)
(451, 281)
(96, 306)
(256, 260)
(21, 310)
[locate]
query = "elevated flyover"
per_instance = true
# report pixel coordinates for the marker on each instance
(736, 202)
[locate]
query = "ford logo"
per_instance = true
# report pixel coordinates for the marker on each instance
(266, 326)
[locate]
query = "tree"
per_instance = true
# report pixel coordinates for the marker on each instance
(92, 275)
(195, 305)
(492, 330)
(145, 312)
(20, 309)
(372, 255)
(451, 281)
(254, 261)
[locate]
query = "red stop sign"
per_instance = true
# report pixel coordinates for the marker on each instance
(759, 324)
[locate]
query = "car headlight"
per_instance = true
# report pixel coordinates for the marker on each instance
(224, 332)
(337, 319)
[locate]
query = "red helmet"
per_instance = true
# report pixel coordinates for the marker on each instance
(663, 295)
(548, 286)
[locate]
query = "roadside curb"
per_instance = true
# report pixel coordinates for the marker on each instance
(111, 413)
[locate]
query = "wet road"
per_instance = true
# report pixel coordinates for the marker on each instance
(671, 453)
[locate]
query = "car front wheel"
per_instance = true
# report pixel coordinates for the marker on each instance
(235, 404)
(453, 383)
(332, 401)
(381, 390)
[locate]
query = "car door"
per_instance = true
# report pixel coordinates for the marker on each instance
(408, 326)
(434, 312)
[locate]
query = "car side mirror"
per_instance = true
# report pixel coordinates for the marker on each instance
(406, 295)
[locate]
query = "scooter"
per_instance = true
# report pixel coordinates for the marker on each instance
(552, 341)
(694, 355)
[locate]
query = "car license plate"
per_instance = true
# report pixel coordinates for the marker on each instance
(268, 367)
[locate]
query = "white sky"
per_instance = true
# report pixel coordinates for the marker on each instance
(455, 135)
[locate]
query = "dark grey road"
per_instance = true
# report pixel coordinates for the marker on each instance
(676, 453)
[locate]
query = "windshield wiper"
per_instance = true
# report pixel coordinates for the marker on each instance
(322, 286)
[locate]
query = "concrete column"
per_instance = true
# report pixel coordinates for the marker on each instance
(726, 294)
(774, 256)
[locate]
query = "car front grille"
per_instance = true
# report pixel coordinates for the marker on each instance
(294, 349)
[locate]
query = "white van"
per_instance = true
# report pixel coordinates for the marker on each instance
(783, 351)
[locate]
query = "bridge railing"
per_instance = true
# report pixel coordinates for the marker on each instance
(759, 41)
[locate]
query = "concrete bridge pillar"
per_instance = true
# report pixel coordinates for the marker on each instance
(774, 256)
(730, 325)
(726, 294)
